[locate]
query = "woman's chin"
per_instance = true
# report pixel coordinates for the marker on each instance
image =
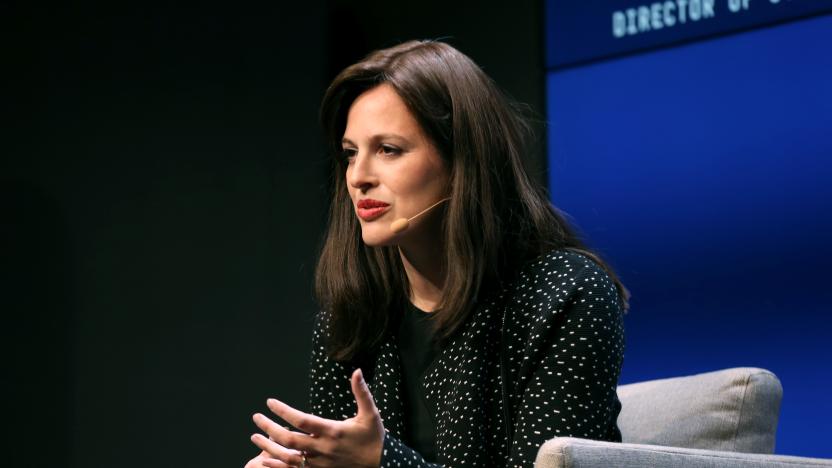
(372, 238)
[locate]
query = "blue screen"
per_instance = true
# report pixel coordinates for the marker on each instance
(702, 173)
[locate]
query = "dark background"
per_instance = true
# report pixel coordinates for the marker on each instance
(163, 193)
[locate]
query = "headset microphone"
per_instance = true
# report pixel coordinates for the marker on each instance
(402, 224)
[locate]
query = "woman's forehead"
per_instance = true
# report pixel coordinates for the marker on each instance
(380, 111)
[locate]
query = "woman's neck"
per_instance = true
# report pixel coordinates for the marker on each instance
(426, 275)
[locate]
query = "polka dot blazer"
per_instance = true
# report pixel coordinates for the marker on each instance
(537, 360)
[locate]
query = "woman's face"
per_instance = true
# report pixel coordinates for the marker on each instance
(393, 169)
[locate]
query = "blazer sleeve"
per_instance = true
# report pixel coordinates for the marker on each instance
(395, 453)
(569, 368)
(330, 396)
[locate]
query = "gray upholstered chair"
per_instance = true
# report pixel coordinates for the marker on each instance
(726, 418)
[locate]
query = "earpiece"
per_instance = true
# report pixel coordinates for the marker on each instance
(402, 224)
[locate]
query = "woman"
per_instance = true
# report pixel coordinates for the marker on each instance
(465, 323)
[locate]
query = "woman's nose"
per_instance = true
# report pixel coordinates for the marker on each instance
(360, 173)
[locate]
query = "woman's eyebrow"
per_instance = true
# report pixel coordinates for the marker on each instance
(380, 136)
(390, 136)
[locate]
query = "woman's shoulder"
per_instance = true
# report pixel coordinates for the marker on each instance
(558, 276)
(563, 265)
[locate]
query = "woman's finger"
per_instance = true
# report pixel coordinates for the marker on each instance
(272, 463)
(363, 397)
(264, 459)
(308, 423)
(285, 437)
(277, 451)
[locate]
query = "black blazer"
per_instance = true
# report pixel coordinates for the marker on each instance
(543, 354)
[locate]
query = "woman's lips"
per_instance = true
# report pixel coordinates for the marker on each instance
(369, 214)
(369, 209)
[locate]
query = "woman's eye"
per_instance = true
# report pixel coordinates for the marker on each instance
(348, 154)
(390, 150)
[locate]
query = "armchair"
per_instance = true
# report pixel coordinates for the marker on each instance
(726, 418)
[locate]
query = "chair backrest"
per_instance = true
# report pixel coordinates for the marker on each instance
(733, 409)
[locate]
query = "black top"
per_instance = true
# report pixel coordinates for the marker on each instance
(416, 350)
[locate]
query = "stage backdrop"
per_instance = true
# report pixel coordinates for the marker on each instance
(698, 161)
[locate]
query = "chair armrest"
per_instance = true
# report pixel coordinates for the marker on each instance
(572, 452)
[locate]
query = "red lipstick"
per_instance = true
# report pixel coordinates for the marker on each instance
(369, 209)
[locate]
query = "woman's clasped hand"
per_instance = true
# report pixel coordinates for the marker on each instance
(356, 441)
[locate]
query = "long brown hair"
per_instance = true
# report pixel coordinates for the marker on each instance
(496, 220)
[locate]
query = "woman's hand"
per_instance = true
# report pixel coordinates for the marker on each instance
(326, 443)
(257, 462)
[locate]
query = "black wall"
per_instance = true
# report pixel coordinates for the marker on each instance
(162, 187)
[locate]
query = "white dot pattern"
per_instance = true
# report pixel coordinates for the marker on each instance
(561, 331)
